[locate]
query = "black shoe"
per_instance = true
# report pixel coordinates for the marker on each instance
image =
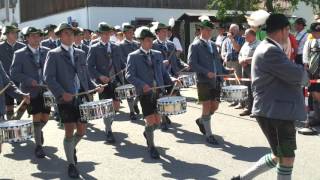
(154, 154)
(42, 139)
(245, 113)
(233, 104)
(164, 126)
(136, 109)
(73, 171)
(168, 120)
(39, 152)
(75, 156)
(235, 178)
(201, 127)
(212, 140)
(110, 138)
(133, 116)
(145, 136)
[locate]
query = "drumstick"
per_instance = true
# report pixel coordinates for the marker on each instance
(182, 70)
(223, 75)
(175, 84)
(106, 84)
(237, 78)
(5, 88)
(159, 87)
(85, 93)
(20, 105)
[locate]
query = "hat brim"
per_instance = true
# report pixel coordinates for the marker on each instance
(12, 30)
(58, 32)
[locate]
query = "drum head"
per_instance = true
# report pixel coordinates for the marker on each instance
(47, 93)
(14, 123)
(127, 86)
(234, 87)
(171, 99)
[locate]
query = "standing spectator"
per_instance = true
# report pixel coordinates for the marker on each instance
(221, 37)
(301, 37)
(245, 58)
(230, 51)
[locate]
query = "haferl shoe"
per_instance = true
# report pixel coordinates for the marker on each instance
(201, 127)
(136, 109)
(73, 171)
(239, 106)
(212, 140)
(110, 138)
(245, 113)
(233, 104)
(39, 152)
(133, 116)
(154, 154)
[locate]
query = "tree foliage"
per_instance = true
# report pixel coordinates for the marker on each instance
(240, 7)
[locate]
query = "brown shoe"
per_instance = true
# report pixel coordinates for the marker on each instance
(245, 113)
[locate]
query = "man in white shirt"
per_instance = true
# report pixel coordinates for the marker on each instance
(301, 37)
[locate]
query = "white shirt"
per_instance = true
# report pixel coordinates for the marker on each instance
(33, 50)
(219, 41)
(109, 45)
(177, 44)
(306, 49)
(247, 50)
(145, 51)
(278, 44)
(67, 48)
(301, 38)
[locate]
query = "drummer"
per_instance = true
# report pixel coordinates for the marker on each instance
(146, 71)
(12, 91)
(27, 69)
(127, 46)
(104, 62)
(66, 74)
(170, 60)
(204, 59)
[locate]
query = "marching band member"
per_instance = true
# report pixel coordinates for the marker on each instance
(104, 62)
(127, 46)
(66, 74)
(146, 71)
(27, 69)
(204, 59)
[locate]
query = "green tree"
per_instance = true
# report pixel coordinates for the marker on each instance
(240, 7)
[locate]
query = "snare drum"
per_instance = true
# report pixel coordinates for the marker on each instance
(16, 130)
(126, 91)
(172, 105)
(49, 99)
(234, 93)
(96, 110)
(188, 79)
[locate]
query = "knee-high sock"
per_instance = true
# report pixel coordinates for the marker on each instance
(206, 121)
(43, 123)
(37, 133)
(149, 135)
(76, 139)
(108, 123)
(68, 145)
(262, 165)
(130, 104)
(284, 172)
(163, 119)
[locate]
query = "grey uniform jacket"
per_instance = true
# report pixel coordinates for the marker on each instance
(83, 47)
(139, 73)
(24, 69)
(127, 48)
(6, 54)
(202, 61)
(276, 84)
(59, 72)
(99, 62)
(12, 91)
(169, 53)
(50, 44)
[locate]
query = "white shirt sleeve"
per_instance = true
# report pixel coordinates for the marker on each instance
(177, 43)
(305, 54)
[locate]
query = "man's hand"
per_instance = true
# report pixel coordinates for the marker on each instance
(67, 97)
(104, 79)
(26, 98)
(211, 75)
(100, 89)
(146, 88)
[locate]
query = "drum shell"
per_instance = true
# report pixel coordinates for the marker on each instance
(173, 105)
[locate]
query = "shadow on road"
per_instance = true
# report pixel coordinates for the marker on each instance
(52, 167)
(175, 168)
